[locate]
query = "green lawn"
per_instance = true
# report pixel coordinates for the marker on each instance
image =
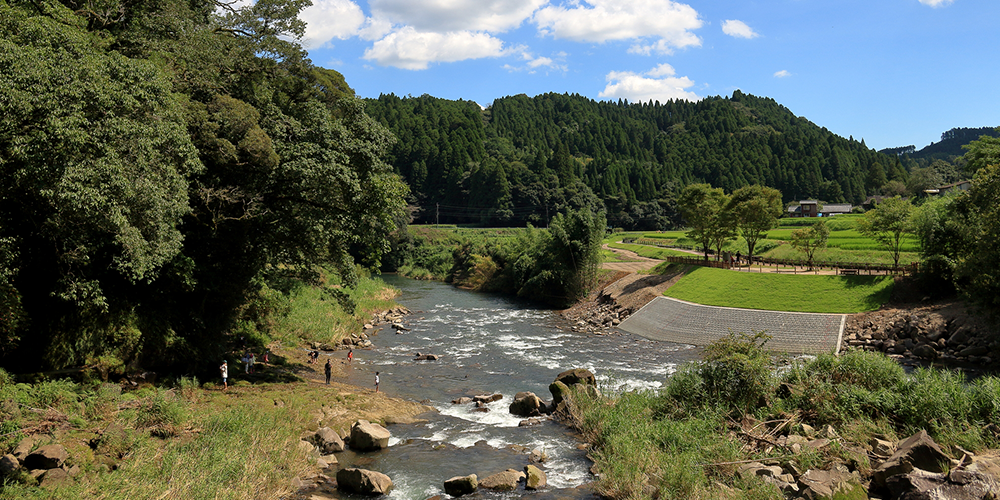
(783, 292)
(651, 252)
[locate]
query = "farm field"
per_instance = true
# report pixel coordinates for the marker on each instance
(783, 292)
(845, 245)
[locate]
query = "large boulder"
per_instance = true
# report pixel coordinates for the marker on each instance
(560, 391)
(366, 436)
(502, 481)
(363, 481)
(47, 457)
(23, 448)
(957, 485)
(577, 376)
(461, 485)
(328, 441)
(534, 478)
(526, 404)
(830, 485)
(918, 451)
(9, 464)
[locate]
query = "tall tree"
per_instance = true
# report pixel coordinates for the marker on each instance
(706, 215)
(887, 223)
(756, 210)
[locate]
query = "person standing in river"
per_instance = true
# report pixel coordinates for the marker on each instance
(350, 355)
(326, 369)
(376, 381)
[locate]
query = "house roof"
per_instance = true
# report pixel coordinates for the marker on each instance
(843, 208)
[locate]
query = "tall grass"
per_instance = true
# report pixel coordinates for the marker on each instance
(315, 314)
(680, 442)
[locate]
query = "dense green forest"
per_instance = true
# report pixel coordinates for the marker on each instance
(169, 168)
(524, 159)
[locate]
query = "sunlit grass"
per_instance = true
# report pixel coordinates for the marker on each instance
(783, 292)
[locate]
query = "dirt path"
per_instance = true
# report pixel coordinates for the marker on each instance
(636, 262)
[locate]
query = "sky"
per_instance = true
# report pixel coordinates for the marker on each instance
(891, 72)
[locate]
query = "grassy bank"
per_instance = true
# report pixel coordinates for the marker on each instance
(687, 440)
(185, 438)
(783, 292)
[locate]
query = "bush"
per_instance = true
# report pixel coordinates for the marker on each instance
(738, 372)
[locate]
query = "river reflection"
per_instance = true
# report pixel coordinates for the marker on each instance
(491, 344)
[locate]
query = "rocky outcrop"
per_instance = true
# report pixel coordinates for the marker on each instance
(918, 451)
(461, 485)
(366, 436)
(363, 481)
(425, 357)
(945, 334)
(502, 481)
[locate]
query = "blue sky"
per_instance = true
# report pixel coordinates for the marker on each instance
(893, 72)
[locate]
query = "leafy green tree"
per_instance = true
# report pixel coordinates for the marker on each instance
(978, 217)
(810, 240)
(756, 210)
(887, 223)
(982, 153)
(705, 213)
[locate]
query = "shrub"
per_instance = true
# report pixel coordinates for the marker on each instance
(738, 372)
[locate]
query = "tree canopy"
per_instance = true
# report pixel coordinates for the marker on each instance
(164, 163)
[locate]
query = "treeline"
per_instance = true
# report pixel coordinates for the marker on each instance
(556, 266)
(524, 159)
(168, 167)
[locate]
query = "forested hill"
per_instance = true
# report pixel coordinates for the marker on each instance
(525, 157)
(951, 144)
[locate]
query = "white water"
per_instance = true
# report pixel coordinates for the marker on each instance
(490, 344)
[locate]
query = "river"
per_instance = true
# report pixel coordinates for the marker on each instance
(491, 344)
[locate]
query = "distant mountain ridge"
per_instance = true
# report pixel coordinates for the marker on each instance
(950, 145)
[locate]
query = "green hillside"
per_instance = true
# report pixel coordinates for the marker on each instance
(525, 158)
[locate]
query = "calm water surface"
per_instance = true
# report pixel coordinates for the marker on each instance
(491, 344)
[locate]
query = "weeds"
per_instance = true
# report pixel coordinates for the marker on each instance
(681, 441)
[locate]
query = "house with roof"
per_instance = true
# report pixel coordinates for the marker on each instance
(812, 208)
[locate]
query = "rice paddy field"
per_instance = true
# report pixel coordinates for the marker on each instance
(846, 244)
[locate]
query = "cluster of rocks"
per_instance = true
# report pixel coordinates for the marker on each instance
(392, 317)
(528, 404)
(532, 478)
(325, 443)
(356, 341)
(916, 468)
(600, 318)
(922, 334)
(47, 464)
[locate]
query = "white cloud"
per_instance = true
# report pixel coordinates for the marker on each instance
(782, 74)
(533, 64)
(604, 20)
(738, 29)
(329, 19)
(657, 84)
(441, 16)
(408, 48)
(937, 3)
